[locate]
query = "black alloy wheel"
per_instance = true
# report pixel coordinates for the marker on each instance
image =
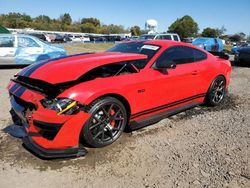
(107, 122)
(217, 91)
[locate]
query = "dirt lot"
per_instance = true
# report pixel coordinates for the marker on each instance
(72, 48)
(202, 147)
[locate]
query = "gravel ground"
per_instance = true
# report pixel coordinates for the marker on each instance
(202, 147)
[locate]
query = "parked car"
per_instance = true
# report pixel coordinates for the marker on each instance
(59, 38)
(167, 36)
(39, 35)
(100, 39)
(51, 36)
(75, 38)
(79, 38)
(26, 49)
(188, 40)
(209, 44)
(235, 49)
(66, 38)
(85, 38)
(242, 57)
(92, 97)
(134, 38)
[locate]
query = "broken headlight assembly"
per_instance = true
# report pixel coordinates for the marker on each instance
(61, 105)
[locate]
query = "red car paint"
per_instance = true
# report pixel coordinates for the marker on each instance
(147, 92)
(75, 66)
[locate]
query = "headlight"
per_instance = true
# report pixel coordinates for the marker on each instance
(61, 106)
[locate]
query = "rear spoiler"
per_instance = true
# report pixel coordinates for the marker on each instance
(222, 55)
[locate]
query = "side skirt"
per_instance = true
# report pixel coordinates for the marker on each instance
(134, 125)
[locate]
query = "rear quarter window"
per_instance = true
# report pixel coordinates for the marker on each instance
(199, 55)
(178, 55)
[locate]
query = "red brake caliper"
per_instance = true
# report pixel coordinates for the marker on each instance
(112, 123)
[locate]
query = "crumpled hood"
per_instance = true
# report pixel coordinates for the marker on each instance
(72, 67)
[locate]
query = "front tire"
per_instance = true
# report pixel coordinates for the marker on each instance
(107, 122)
(216, 92)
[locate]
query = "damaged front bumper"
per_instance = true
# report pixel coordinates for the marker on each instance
(49, 135)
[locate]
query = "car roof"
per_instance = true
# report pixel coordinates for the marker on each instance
(162, 43)
(166, 43)
(20, 35)
(167, 34)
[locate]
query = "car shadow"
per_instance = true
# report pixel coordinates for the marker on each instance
(13, 66)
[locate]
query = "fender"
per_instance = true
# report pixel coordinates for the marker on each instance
(87, 92)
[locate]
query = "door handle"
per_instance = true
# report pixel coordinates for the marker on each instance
(195, 72)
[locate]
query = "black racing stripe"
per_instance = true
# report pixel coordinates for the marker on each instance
(167, 105)
(13, 88)
(34, 67)
(20, 91)
(173, 104)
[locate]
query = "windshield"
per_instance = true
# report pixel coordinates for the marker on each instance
(136, 47)
(147, 37)
(199, 40)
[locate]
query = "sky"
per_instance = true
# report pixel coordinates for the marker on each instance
(233, 15)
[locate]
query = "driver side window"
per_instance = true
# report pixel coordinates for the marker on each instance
(177, 55)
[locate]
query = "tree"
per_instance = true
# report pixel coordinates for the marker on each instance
(15, 20)
(210, 32)
(66, 19)
(135, 30)
(221, 31)
(75, 27)
(63, 23)
(112, 29)
(242, 35)
(42, 22)
(238, 37)
(94, 21)
(235, 38)
(88, 28)
(43, 19)
(184, 27)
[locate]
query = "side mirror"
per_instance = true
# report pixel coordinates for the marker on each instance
(164, 65)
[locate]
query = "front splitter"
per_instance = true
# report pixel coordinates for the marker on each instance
(43, 153)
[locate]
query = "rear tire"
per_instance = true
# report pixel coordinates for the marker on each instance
(216, 92)
(106, 124)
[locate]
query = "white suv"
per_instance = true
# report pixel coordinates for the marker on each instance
(166, 36)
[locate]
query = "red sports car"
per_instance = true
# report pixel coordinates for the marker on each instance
(92, 97)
